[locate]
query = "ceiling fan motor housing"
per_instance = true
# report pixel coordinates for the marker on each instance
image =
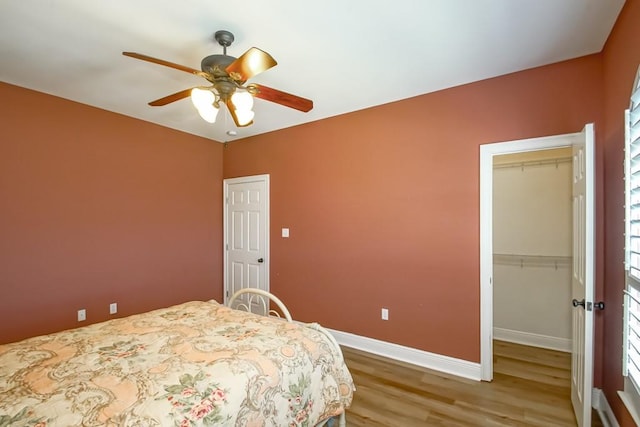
(216, 64)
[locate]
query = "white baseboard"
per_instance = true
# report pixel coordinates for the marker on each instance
(438, 362)
(601, 404)
(535, 340)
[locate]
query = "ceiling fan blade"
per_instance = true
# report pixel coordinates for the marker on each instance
(171, 98)
(165, 63)
(282, 98)
(252, 62)
(234, 116)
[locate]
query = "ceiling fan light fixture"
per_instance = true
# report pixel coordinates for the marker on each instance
(228, 76)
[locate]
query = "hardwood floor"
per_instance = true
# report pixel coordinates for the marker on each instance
(531, 387)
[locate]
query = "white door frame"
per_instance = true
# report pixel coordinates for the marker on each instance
(487, 152)
(225, 230)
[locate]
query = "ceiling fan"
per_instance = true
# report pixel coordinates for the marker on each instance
(228, 77)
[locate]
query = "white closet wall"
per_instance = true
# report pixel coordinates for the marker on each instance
(532, 248)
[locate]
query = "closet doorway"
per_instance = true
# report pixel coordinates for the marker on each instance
(582, 261)
(532, 248)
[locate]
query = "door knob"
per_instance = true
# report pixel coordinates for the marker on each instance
(599, 305)
(260, 259)
(576, 303)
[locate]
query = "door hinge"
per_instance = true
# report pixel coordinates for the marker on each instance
(227, 199)
(227, 246)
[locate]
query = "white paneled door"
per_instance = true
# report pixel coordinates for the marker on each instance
(582, 288)
(246, 234)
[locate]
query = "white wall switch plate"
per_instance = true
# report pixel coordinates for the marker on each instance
(285, 232)
(82, 315)
(385, 314)
(113, 308)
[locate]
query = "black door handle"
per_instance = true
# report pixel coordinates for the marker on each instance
(260, 260)
(576, 303)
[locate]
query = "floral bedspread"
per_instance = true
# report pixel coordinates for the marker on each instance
(193, 364)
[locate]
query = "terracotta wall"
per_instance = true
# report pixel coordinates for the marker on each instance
(621, 58)
(383, 203)
(99, 208)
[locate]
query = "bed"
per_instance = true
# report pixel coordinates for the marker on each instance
(194, 364)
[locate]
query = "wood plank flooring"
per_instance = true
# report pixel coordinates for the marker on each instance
(531, 387)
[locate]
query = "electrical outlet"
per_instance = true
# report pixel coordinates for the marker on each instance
(385, 314)
(82, 315)
(113, 308)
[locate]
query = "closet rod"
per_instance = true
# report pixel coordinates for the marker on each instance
(523, 260)
(527, 163)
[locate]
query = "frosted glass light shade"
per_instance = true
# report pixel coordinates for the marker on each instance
(244, 116)
(243, 101)
(202, 97)
(208, 113)
(203, 100)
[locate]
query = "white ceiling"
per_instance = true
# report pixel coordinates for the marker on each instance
(345, 55)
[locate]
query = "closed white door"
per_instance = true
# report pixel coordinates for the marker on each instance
(583, 275)
(246, 234)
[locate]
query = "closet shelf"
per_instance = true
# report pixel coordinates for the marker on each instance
(523, 260)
